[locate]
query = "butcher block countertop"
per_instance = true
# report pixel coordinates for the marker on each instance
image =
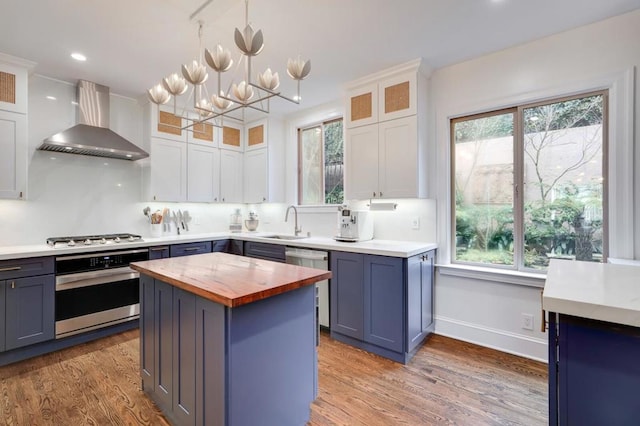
(229, 279)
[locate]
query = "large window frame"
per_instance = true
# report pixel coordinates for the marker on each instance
(317, 125)
(518, 178)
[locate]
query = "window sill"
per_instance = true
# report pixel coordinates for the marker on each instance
(495, 275)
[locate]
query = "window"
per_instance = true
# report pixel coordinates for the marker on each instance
(321, 164)
(528, 184)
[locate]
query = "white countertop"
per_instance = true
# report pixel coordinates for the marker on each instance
(378, 247)
(599, 291)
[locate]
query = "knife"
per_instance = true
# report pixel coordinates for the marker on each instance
(166, 217)
(175, 220)
(187, 219)
(180, 218)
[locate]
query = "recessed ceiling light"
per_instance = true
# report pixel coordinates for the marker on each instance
(51, 98)
(79, 57)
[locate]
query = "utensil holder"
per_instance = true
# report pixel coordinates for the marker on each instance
(156, 229)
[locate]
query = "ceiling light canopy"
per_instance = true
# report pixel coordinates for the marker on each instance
(200, 105)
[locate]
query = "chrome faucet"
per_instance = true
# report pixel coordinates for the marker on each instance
(297, 230)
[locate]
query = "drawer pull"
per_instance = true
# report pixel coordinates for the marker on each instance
(11, 268)
(192, 249)
(158, 248)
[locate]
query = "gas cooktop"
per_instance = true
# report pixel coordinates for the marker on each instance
(91, 240)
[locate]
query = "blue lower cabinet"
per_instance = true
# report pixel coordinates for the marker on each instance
(596, 375)
(147, 332)
(220, 246)
(158, 252)
(163, 343)
(29, 311)
(266, 251)
(214, 365)
(210, 363)
(382, 304)
(184, 355)
(420, 321)
(236, 247)
(188, 249)
(347, 294)
(2, 314)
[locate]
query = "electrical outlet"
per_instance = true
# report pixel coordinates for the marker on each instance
(415, 222)
(527, 322)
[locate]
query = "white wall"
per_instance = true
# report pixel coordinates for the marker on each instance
(603, 54)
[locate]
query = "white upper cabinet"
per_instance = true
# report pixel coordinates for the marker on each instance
(256, 135)
(256, 182)
(13, 161)
(203, 173)
(398, 159)
(204, 134)
(362, 105)
(164, 124)
(231, 136)
(231, 176)
(167, 170)
(13, 127)
(362, 148)
(13, 84)
(397, 96)
(386, 156)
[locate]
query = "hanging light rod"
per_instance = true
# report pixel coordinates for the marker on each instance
(237, 97)
(200, 9)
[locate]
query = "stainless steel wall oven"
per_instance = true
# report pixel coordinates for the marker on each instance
(96, 290)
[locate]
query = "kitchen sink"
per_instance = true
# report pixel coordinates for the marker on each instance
(284, 237)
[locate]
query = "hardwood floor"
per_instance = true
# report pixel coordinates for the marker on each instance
(447, 382)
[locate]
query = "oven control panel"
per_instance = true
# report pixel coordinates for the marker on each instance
(99, 261)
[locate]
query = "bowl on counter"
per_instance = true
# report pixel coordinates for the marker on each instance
(251, 224)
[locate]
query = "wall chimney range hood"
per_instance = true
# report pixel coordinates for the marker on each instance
(92, 136)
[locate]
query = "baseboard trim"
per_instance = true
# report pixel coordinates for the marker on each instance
(516, 344)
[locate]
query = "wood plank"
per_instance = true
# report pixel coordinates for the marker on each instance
(229, 279)
(446, 382)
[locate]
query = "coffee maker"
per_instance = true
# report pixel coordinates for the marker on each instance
(354, 225)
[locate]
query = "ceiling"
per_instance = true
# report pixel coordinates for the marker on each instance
(131, 45)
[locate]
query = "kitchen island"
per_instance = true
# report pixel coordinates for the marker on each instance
(228, 340)
(594, 343)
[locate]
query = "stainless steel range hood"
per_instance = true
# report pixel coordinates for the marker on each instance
(92, 136)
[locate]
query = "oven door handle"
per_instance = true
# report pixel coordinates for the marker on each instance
(85, 279)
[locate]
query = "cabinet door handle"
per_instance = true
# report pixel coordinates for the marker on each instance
(543, 323)
(158, 248)
(11, 268)
(13, 284)
(192, 248)
(215, 199)
(381, 194)
(374, 194)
